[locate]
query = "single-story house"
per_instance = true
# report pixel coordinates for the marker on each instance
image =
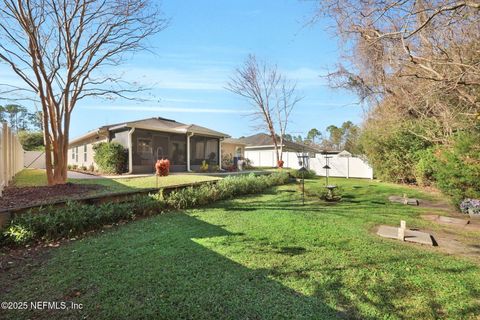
(147, 140)
(260, 150)
(232, 150)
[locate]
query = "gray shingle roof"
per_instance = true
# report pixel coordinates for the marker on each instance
(265, 140)
(157, 124)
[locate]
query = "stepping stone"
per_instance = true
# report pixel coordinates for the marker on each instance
(402, 200)
(446, 220)
(414, 236)
(450, 220)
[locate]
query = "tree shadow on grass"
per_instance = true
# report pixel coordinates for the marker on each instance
(161, 270)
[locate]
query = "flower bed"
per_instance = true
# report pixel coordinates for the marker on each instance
(75, 218)
(470, 206)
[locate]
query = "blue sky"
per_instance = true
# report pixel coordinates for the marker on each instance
(195, 56)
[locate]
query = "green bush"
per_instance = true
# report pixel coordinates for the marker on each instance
(111, 157)
(74, 218)
(52, 223)
(393, 153)
(31, 141)
(310, 174)
(425, 167)
(457, 167)
(224, 189)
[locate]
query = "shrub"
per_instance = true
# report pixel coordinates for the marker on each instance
(74, 218)
(91, 167)
(84, 168)
(224, 189)
(425, 167)
(75, 166)
(31, 141)
(111, 157)
(69, 166)
(310, 174)
(457, 168)
(19, 234)
(392, 152)
(204, 166)
(51, 223)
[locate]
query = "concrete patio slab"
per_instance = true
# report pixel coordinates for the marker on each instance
(414, 236)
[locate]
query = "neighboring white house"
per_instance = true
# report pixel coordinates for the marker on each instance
(260, 151)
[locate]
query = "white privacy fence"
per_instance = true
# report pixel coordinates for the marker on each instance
(268, 158)
(11, 156)
(346, 167)
(34, 159)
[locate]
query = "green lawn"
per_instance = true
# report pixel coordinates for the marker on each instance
(259, 257)
(35, 177)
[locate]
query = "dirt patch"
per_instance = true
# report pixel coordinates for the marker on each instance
(17, 264)
(14, 197)
(437, 205)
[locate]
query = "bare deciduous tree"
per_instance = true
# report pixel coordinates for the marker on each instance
(62, 50)
(421, 56)
(271, 96)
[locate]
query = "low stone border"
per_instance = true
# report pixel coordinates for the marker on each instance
(7, 214)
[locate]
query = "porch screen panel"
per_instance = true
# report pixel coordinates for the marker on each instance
(178, 150)
(211, 150)
(203, 149)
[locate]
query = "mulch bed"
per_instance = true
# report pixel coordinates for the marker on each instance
(14, 197)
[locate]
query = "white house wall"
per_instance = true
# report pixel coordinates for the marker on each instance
(80, 161)
(352, 167)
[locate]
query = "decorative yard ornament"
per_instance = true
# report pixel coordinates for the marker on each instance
(162, 168)
(303, 158)
(326, 167)
(302, 171)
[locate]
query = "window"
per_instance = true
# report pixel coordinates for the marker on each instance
(73, 153)
(76, 154)
(85, 153)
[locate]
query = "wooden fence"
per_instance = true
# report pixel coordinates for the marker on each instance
(11, 156)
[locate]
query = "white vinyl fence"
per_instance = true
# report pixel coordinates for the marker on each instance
(11, 156)
(346, 167)
(268, 158)
(34, 159)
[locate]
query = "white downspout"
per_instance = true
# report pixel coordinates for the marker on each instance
(130, 151)
(220, 153)
(189, 134)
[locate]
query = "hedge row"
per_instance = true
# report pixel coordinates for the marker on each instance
(76, 218)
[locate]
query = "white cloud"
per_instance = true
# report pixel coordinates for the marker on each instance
(306, 77)
(195, 79)
(165, 109)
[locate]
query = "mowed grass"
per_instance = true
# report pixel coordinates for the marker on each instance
(36, 177)
(259, 257)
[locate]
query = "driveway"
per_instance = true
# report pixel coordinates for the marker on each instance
(78, 175)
